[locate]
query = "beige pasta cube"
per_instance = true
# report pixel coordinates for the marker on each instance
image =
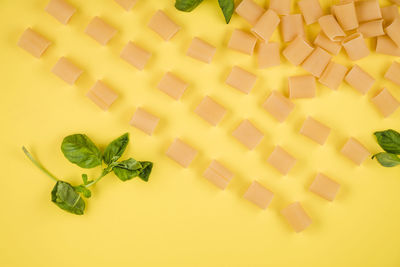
(393, 73)
(291, 27)
(247, 134)
(281, 160)
(135, 55)
(100, 31)
(66, 70)
(315, 130)
(210, 111)
(389, 14)
(393, 31)
(368, 10)
(102, 95)
(60, 10)
(346, 15)
(359, 79)
(201, 50)
(266, 25)
(172, 86)
(161, 24)
(385, 45)
(355, 46)
(331, 28)
(296, 217)
(241, 79)
(297, 51)
(311, 10)
(324, 42)
(259, 195)
(278, 106)
(250, 11)
(126, 4)
(242, 41)
(303, 86)
(144, 121)
(218, 174)
(317, 62)
(33, 43)
(385, 103)
(371, 28)
(333, 75)
(355, 151)
(281, 7)
(325, 187)
(181, 153)
(268, 55)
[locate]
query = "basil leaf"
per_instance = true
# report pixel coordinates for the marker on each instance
(80, 150)
(147, 166)
(387, 159)
(227, 7)
(187, 5)
(389, 140)
(83, 190)
(67, 198)
(85, 178)
(127, 169)
(115, 149)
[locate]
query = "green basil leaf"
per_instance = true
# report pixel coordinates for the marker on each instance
(387, 159)
(80, 150)
(83, 190)
(67, 198)
(389, 140)
(147, 167)
(187, 5)
(227, 7)
(127, 169)
(115, 149)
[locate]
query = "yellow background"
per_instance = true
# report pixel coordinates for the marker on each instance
(179, 218)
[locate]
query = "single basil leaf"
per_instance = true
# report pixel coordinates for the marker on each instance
(115, 149)
(187, 5)
(389, 140)
(83, 190)
(227, 7)
(80, 150)
(84, 178)
(147, 167)
(67, 198)
(127, 169)
(387, 159)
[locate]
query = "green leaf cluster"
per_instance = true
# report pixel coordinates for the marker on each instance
(389, 140)
(227, 7)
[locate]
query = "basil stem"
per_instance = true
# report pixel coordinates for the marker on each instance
(40, 166)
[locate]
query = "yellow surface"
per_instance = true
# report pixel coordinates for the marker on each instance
(179, 218)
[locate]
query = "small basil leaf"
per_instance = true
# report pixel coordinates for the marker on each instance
(387, 159)
(227, 7)
(187, 5)
(115, 149)
(83, 190)
(67, 198)
(389, 140)
(127, 169)
(147, 166)
(85, 178)
(80, 150)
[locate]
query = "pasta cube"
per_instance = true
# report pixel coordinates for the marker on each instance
(296, 216)
(393, 31)
(201, 50)
(297, 51)
(359, 79)
(144, 121)
(325, 43)
(281, 160)
(325, 187)
(66, 70)
(333, 75)
(393, 73)
(172, 86)
(368, 10)
(250, 11)
(311, 10)
(292, 26)
(102, 95)
(385, 45)
(266, 25)
(241, 79)
(303, 86)
(60, 10)
(100, 31)
(355, 151)
(268, 55)
(385, 103)
(33, 43)
(355, 46)
(126, 4)
(210, 111)
(161, 24)
(315, 130)
(181, 153)
(389, 14)
(135, 55)
(259, 195)
(218, 174)
(346, 15)
(331, 28)
(242, 41)
(317, 62)
(372, 28)
(247, 134)
(281, 7)
(278, 106)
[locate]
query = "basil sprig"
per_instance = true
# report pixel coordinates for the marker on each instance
(80, 150)
(227, 6)
(389, 141)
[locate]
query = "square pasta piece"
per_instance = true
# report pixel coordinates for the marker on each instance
(102, 95)
(333, 75)
(297, 51)
(210, 111)
(385, 103)
(355, 151)
(135, 55)
(324, 42)
(126, 4)
(315, 130)
(385, 45)
(144, 121)
(201, 50)
(266, 25)
(317, 62)
(355, 46)
(172, 86)
(161, 24)
(296, 216)
(291, 27)
(281, 160)
(278, 106)
(181, 153)
(66, 70)
(393, 73)
(268, 55)
(259, 195)
(247, 134)
(241, 79)
(218, 174)
(250, 11)
(33, 43)
(303, 86)
(359, 79)
(325, 187)
(311, 10)
(100, 31)
(60, 10)
(242, 41)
